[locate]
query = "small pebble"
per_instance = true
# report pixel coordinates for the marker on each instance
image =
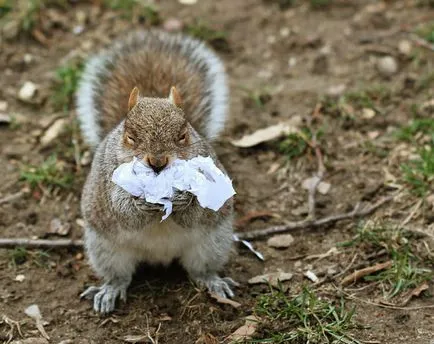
(336, 91)
(28, 91)
(20, 278)
(368, 113)
(280, 241)
(3, 105)
(405, 47)
(387, 66)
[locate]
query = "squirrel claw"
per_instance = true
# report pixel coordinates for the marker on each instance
(90, 292)
(220, 286)
(104, 297)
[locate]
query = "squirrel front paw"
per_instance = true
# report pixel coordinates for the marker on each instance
(142, 205)
(104, 297)
(182, 199)
(217, 285)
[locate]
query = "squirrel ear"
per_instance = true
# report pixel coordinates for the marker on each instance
(134, 97)
(175, 97)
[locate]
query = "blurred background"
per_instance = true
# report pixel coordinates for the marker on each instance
(352, 79)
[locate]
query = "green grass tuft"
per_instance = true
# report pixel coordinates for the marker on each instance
(201, 30)
(426, 32)
(403, 275)
(67, 82)
(317, 4)
(408, 133)
(135, 9)
(419, 173)
(18, 256)
(50, 174)
(406, 271)
(304, 318)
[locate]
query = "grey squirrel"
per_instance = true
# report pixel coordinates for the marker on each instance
(158, 97)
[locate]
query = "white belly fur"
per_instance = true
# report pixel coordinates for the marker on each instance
(159, 243)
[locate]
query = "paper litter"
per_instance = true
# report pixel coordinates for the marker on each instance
(199, 175)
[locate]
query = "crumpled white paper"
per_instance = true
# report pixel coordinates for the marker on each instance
(200, 176)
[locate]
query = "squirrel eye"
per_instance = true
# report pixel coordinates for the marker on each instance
(183, 138)
(130, 140)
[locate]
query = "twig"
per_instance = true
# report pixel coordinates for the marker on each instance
(12, 197)
(316, 179)
(308, 223)
(358, 274)
(343, 272)
(421, 42)
(413, 212)
(348, 295)
(40, 243)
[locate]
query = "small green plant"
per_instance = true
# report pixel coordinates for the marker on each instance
(5, 7)
(27, 12)
(295, 145)
(419, 173)
(50, 174)
(375, 235)
(369, 97)
(305, 318)
(408, 133)
(18, 256)
(201, 30)
(427, 32)
(67, 83)
(317, 4)
(400, 245)
(426, 81)
(404, 274)
(136, 9)
(259, 97)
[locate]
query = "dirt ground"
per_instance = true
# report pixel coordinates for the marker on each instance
(283, 61)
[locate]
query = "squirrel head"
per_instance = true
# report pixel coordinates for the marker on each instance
(156, 129)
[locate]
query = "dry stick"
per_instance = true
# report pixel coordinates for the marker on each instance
(352, 297)
(13, 197)
(316, 179)
(65, 243)
(308, 223)
(358, 274)
(40, 243)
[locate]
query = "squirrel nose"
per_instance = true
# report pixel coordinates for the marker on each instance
(157, 163)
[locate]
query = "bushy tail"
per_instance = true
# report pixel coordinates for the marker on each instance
(153, 61)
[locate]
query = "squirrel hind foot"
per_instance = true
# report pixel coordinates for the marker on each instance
(217, 285)
(104, 297)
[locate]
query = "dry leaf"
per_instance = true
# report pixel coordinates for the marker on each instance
(58, 227)
(32, 340)
(207, 338)
(136, 339)
(414, 293)
(34, 313)
(246, 331)
(280, 241)
(272, 278)
(263, 135)
(225, 301)
(5, 119)
(53, 132)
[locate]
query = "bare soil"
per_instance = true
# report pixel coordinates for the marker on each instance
(291, 57)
